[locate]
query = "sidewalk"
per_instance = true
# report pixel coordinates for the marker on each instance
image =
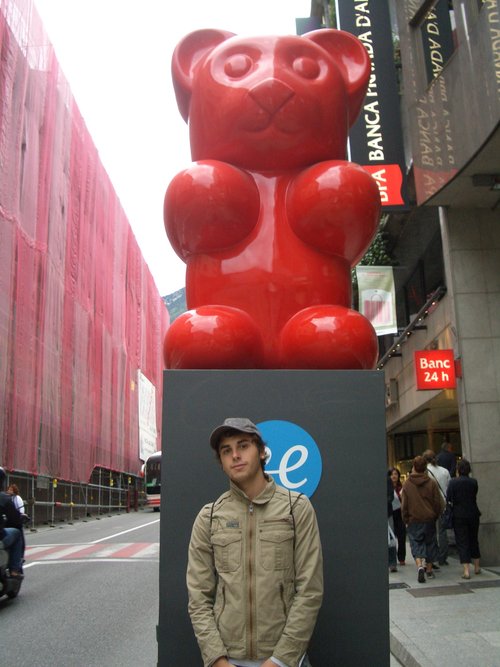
(447, 621)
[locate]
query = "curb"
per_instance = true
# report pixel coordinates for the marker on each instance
(404, 650)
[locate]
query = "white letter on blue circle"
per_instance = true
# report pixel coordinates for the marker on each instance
(294, 459)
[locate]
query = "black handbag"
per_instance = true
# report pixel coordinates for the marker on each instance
(447, 516)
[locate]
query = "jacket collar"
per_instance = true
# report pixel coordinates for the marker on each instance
(264, 496)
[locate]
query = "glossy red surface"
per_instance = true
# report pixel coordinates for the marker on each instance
(270, 217)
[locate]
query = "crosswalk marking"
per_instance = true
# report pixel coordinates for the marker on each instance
(64, 552)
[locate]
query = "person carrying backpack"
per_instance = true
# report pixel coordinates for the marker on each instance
(255, 566)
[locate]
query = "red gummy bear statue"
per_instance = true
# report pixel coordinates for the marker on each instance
(270, 217)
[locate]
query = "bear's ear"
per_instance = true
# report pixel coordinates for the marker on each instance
(187, 55)
(352, 60)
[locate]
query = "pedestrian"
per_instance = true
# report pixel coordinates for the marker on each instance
(255, 567)
(462, 494)
(442, 478)
(392, 541)
(399, 526)
(421, 504)
(447, 459)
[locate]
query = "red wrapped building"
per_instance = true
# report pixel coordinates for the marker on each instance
(80, 315)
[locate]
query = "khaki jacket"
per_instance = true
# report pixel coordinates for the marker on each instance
(255, 582)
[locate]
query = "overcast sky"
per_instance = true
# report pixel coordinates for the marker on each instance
(116, 56)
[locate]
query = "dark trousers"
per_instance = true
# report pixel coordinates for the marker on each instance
(467, 544)
(423, 541)
(400, 532)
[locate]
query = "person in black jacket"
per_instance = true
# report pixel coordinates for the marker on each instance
(10, 529)
(462, 493)
(447, 459)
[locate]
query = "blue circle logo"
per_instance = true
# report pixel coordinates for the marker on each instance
(294, 460)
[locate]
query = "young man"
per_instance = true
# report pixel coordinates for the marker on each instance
(255, 567)
(421, 504)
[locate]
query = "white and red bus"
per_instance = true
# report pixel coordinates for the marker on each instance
(152, 480)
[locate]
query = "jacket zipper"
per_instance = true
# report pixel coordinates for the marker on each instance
(250, 579)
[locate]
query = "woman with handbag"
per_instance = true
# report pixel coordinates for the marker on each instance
(462, 493)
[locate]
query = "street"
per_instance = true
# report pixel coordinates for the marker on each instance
(89, 597)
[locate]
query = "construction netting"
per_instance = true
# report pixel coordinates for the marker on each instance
(80, 314)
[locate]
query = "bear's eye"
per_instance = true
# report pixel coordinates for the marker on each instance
(306, 67)
(238, 65)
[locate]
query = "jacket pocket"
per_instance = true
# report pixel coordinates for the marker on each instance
(276, 548)
(227, 550)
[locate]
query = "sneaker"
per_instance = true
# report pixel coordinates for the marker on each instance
(402, 562)
(443, 562)
(393, 568)
(435, 567)
(421, 575)
(430, 575)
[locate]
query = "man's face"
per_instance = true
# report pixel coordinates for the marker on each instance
(240, 458)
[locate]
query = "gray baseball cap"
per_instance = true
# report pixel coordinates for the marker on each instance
(241, 424)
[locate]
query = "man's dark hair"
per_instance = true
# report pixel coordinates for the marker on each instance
(227, 433)
(419, 464)
(463, 468)
(429, 456)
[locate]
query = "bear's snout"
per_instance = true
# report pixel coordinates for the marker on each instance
(271, 94)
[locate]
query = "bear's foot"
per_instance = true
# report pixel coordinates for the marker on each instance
(328, 337)
(213, 337)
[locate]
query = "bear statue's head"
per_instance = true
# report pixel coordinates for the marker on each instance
(268, 103)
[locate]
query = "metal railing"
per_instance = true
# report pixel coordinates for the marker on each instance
(50, 501)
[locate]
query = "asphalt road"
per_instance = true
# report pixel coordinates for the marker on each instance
(89, 598)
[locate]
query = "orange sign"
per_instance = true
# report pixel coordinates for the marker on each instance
(435, 369)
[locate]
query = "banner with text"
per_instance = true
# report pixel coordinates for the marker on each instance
(377, 297)
(147, 421)
(376, 139)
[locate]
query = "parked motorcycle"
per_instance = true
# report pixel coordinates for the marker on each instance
(9, 586)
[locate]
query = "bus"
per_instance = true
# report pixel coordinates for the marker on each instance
(152, 481)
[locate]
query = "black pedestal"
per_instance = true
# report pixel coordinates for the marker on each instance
(343, 413)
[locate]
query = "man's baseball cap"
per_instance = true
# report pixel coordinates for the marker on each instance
(241, 424)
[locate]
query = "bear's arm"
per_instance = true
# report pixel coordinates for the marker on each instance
(334, 207)
(209, 207)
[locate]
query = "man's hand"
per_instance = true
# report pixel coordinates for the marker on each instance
(223, 662)
(269, 663)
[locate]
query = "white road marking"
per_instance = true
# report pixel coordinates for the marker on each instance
(125, 531)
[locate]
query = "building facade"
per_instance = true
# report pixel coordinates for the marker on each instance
(448, 247)
(81, 320)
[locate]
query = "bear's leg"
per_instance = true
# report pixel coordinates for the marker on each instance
(328, 337)
(213, 337)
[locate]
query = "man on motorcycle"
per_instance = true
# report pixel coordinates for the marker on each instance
(10, 529)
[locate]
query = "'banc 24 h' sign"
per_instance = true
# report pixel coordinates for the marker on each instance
(294, 460)
(435, 369)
